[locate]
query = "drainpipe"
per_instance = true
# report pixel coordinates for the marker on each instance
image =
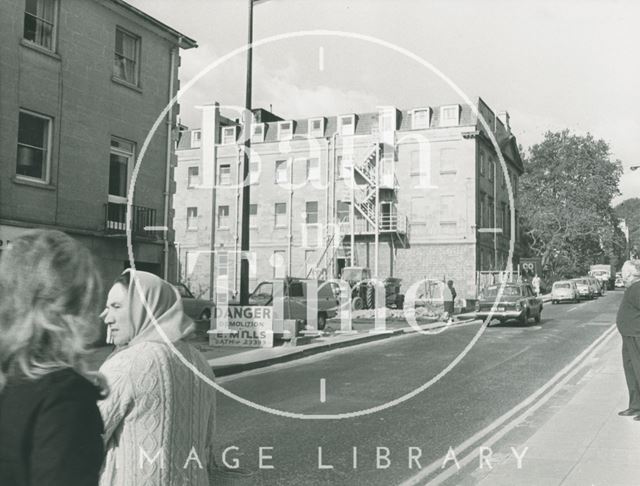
(167, 182)
(327, 197)
(237, 256)
(330, 200)
(290, 235)
(376, 244)
(495, 208)
(334, 211)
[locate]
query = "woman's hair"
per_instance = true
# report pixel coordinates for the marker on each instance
(50, 292)
(123, 279)
(630, 271)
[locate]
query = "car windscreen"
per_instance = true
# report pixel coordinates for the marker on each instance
(508, 292)
(184, 292)
(264, 291)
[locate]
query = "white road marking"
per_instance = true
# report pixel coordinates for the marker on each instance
(546, 391)
(323, 390)
(573, 308)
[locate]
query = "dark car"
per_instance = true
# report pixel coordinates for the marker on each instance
(197, 309)
(518, 301)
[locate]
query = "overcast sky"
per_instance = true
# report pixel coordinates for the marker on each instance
(551, 65)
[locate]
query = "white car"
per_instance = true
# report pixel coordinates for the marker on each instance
(564, 290)
(584, 288)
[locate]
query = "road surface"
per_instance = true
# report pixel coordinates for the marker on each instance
(507, 364)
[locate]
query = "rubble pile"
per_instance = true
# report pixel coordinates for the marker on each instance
(431, 312)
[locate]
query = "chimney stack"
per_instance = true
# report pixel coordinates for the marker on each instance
(504, 118)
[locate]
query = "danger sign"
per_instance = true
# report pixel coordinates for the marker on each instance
(244, 326)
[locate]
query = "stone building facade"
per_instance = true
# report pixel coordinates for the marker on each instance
(82, 83)
(430, 176)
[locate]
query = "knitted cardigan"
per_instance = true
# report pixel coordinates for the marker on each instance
(159, 417)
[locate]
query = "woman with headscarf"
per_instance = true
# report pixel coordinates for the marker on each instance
(50, 425)
(628, 322)
(159, 416)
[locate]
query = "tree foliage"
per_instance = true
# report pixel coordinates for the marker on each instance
(565, 201)
(629, 210)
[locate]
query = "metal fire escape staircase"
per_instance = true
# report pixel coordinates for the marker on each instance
(370, 171)
(334, 242)
(365, 203)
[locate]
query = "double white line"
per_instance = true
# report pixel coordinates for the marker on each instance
(542, 395)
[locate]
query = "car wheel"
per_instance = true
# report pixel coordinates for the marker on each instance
(205, 315)
(356, 303)
(322, 321)
(523, 319)
(538, 316)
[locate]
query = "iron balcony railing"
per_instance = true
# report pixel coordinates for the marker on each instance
(115, 220)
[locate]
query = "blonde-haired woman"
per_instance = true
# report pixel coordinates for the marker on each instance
(159, 416)
(50, 425)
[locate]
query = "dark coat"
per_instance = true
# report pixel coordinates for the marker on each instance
(628, 318)
(50, 431)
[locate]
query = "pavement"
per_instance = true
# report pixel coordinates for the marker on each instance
(584, 442)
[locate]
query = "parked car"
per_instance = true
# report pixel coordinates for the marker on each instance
(564, 290)
(584, 288)
(594, 285)
(518, 301)
(295, 298)
(197, 309)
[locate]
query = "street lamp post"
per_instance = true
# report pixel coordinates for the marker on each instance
(246, 192)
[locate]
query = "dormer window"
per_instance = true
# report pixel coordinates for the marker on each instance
(420, 118)
(347, 125)
(228, 135)
(449, 116)
(387, 121)
(196, 138)
(285, 130)
(257, 133)
(316, 127)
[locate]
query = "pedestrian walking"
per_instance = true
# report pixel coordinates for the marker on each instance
(159, 416)
(454, 294)
(50, 425)
(628, 323)
(448, 297)
(535, 282)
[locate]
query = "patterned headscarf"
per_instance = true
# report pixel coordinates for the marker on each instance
(155, 308)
